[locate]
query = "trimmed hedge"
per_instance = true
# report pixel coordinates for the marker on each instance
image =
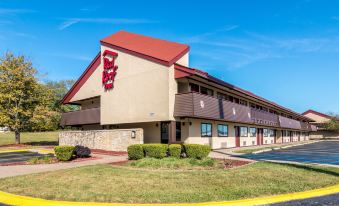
(174, 150)
(64, 153)
(155, 150)
(135, 151)
(81, 151)
(197, 151)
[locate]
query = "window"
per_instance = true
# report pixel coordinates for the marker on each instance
(265, 109)
(222, 130)
(265, 131)
(221, 96)
(178, 131)
(236, 100)
(204, 90)
(252, 105)
(243, 132)
(253, 132)
(206, 130)
(243, 102)
(194, 87)
(272, 133)
(230, 98)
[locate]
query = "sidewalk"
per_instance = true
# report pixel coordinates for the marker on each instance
(10, 171)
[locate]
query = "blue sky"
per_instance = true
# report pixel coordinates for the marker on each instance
(286, 51)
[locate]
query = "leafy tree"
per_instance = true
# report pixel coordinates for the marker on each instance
(333, 124)
(60, 88)
(25, 104)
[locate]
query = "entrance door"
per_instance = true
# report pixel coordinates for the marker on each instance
(164, 132)
(237, 136)
(260, 138)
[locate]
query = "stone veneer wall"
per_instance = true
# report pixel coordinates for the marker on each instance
(112, 140)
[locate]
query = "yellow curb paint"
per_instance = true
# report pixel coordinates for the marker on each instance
(14, 150)
(18, 200)
(45, 151)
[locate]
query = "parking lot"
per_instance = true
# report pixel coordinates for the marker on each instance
(324, 152)
(17, 157)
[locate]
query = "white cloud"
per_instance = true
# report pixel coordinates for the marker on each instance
(71, 21)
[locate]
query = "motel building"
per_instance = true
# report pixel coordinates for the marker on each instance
(142, 82)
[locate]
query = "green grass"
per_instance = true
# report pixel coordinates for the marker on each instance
(175, 163)
(33, 138)
(106, 183)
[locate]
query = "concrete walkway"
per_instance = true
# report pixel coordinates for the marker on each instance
(16, 170)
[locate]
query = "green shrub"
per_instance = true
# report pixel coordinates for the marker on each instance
(155, 150)
(174, 150)
(197, 151)
(64, 153)
(135, 151)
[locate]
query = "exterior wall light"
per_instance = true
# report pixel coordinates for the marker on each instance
(133, 135)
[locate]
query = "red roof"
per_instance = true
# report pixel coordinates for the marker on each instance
(317, 113)
(160, 51)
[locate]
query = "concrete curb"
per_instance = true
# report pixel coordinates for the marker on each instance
(18, 200)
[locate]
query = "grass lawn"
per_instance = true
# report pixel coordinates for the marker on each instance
(107, 183)
(33, 138)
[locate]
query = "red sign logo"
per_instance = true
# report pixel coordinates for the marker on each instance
(110, 69)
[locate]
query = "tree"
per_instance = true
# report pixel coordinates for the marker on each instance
(60, 88)
(22, 98)
(333, 123)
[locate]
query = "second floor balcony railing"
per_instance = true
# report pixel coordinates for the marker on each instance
(197, 105)
(81, 117)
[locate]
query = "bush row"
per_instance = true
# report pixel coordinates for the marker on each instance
(66, 153)
(196, 151)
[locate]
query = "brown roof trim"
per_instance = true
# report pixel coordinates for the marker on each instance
(144, 56)
(192, 71)
(83, 78)
(316, 113)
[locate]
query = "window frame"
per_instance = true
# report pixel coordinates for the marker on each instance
(201, 132)
(194, 85)
(241, 135)
(255, 135)
(207, 91)
(265, 134)
(226, 130)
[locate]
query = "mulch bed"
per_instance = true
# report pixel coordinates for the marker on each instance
(105, 152)
(230, 163)
(227, 163)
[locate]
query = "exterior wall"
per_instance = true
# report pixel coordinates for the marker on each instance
(143, 91)
(151, 130)
(90, 103)
(114, 140)
(194, 134)
(279, 137)
(268, 140)
(286, 139)
(184, 61)
(247, 141)
(317, 118)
